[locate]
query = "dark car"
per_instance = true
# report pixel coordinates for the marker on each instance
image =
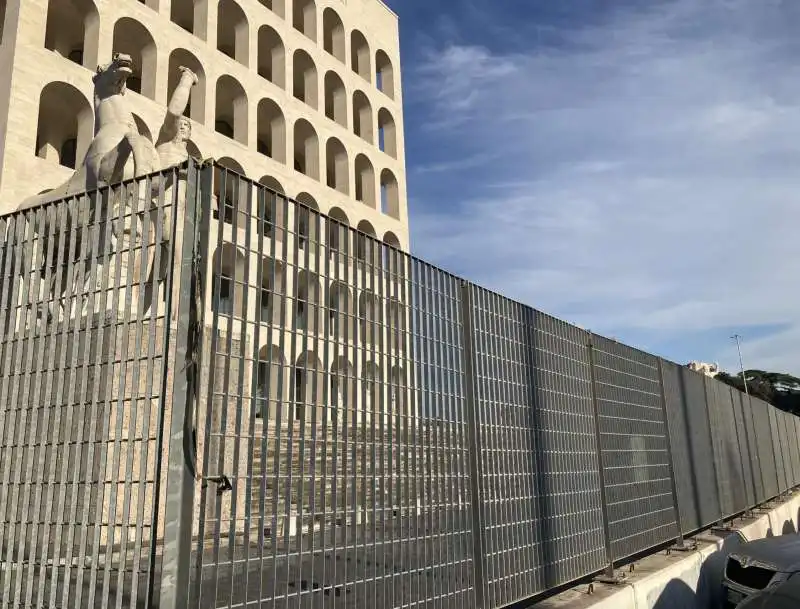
(781, 596)
(760, 565)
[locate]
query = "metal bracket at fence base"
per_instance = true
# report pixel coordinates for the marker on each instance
(611, 577)
(223, 481)
(724, 529)
(683, 545)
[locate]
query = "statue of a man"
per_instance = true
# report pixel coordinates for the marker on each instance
(176, 129)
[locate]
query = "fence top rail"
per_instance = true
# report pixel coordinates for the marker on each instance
(45, 203)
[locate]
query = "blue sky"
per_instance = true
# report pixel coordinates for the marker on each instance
(632, 167)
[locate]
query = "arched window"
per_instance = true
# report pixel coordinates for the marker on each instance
(271, 56)
(392, 240)
(65, 124)
(307, 217)
(231, 109)
(233, 34)
(387, 134)
(73, 30)
(306, 149)
(333, 38)
(369, 316)
(365, 181)
(276, 6)
(271, 130)
(384, 74)
(307, 307)
(305, 78)
(227, 276)
(338, 172)
(335, 99)
(196, 110)
(340, 310)
(362, 116)
(390, 194)
(338, 231)
(271, 293)
(271, 208)
(360, 55)
(270, 386)
(186, 13)
(304, 18)
(132, 38)
(230, 191)
(366, 244)
(343, 392)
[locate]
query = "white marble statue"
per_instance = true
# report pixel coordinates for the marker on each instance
(118, 151)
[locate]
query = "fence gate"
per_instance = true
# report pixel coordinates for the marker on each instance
(87, 287)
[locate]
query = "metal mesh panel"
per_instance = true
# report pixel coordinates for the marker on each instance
(540, 484)
(776, 450)
(766, 455)
(727, 458)
(786, 450)
(794, 442)
(86, 289)
(745, 448)
(700, 438)
(750, 420)
(783, 451)
(633, 444)
(332, 432)
(683, 457)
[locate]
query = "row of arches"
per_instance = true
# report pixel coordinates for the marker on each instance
(309, 383)
(342, 314)
(65, 128)
(385, 198)
(270, 212)
(72, 30)
(230, 97)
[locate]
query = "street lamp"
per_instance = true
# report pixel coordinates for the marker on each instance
(739, 348)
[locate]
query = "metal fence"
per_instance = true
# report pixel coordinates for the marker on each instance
(212, 396)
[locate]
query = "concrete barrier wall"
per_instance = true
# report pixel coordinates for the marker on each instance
(695, 580)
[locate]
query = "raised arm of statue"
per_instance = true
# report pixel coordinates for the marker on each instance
(177, 105)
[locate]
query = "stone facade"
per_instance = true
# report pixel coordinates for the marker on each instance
(305, 98)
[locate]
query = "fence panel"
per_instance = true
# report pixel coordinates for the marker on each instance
(540, 485)
(785, 455)
(84, 309)
(794, 431)
(776, 450)
(727, 459)
(332, 401)
(745, 448)
(683, 445)
(755, 440)
(633, 445)
(766, 453)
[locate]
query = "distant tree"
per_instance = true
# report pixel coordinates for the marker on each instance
(779, 389)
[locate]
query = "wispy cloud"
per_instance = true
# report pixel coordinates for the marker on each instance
(639, 176)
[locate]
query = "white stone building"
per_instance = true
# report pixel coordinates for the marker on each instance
(302, 96)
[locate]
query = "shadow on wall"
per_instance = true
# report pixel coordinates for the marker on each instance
(678, 595)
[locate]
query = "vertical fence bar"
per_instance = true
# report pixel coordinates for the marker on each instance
(179, 496)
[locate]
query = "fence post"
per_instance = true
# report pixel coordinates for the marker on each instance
(179, 486)
(478, 543)
(680, 543)
(609, 577)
